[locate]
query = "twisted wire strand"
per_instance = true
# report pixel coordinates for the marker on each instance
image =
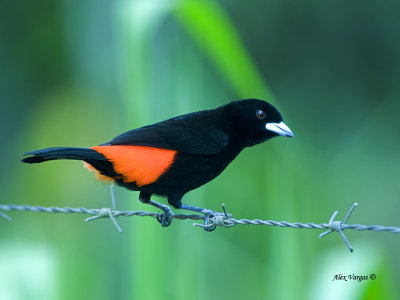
(223, 220)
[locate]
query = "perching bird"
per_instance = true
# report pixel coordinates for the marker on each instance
(173, 157)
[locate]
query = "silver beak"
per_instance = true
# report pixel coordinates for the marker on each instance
(279, 128)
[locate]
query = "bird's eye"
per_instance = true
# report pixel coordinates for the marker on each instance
(261, 114)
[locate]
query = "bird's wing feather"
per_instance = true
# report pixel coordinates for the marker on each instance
(184, 134)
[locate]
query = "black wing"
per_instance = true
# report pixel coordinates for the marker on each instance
(195, 133)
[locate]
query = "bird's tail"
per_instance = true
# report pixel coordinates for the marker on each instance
(85, 154)
(95, 159)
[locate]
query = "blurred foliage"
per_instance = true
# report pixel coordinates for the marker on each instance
(78, 73)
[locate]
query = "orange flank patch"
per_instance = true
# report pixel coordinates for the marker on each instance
(140, 164)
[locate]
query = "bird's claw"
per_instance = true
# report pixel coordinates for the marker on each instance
(208, 214)
(166, 217)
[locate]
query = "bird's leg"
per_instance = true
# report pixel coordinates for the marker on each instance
(207, 214)
(165, 218)
(196, 209)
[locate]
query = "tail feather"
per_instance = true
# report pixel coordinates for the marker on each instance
(42, 155)
(92, 157)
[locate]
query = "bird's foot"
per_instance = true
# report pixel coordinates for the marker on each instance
(166, 217)
(211, 217)
(208, 214)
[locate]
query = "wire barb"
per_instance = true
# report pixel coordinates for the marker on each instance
(5, 217)
(221, 219)
(216, 219)
(106, 213)
(338, 226)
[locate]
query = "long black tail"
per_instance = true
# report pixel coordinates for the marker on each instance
(42, 155)
(88, 155)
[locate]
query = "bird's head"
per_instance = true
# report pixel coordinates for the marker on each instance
(256, 121)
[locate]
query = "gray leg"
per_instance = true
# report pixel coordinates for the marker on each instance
(195, 208)
(165, 218)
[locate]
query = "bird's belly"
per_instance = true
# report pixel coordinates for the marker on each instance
(189, 172)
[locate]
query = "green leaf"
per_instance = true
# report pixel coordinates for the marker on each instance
(211, 28)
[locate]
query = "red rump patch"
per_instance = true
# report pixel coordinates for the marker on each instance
(140, 164)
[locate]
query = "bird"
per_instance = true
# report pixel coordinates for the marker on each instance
(175, 156)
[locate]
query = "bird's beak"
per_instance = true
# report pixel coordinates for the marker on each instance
(279, 128)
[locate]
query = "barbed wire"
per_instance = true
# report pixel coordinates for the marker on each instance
(220, 219)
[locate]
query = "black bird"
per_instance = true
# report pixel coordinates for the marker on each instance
(173, 157)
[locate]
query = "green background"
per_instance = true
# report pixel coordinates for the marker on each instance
(77, 73)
